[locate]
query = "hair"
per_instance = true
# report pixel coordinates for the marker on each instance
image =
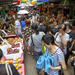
(35, 28)
(48, 38)
(1, 54)
(51, 32)
(27, 23)
(60, 27)
(67, 25)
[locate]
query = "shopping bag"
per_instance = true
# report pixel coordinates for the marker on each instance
(43, 48)
(61, 72)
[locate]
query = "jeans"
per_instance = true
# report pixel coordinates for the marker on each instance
(36, 55)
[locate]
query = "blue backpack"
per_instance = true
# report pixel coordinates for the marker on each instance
(45, 61)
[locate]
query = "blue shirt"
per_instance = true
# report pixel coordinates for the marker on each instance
(22, 25)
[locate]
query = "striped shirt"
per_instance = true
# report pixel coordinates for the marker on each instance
(59, 57)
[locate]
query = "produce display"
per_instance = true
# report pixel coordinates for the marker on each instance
(15, 45)
(13, 40)
(13, 53)
(18, 63)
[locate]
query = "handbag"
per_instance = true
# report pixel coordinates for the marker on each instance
(43, 49)
(61, 72)
(32, 40)
(8, 69)
(32, 45)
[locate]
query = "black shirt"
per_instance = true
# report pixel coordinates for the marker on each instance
(72, 37)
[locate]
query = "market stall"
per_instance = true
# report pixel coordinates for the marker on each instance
(12, 48)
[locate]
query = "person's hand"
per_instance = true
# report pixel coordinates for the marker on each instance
(73, 42)
(51, 67)
(72, 59)
(72, 45)
(60, 34)
(43, 70)
(70, 49)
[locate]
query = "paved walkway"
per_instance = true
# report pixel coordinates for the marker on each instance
(30, 66)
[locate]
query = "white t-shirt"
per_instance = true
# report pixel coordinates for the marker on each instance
(64, 37)
(37, 40)
(17, 25)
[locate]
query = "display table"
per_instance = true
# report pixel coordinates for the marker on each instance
(17, 58)
(18, 63)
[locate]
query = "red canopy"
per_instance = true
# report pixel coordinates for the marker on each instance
(18, 1)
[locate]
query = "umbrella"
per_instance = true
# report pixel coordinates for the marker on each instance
(22, 12)
(21, 5)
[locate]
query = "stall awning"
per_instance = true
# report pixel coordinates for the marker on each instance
(41, 1)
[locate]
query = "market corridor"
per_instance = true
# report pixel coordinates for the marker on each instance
(30, 66)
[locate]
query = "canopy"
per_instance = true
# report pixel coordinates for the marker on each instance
(22, 12)
(24, 1)
(41, 1)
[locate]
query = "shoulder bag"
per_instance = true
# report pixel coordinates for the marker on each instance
(8, 69)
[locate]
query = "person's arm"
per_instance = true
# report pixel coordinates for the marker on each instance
(17, 30)
(64, 42)
(59, 67)
(73, 43)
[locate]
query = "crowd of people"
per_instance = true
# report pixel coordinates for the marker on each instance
(39, 30)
